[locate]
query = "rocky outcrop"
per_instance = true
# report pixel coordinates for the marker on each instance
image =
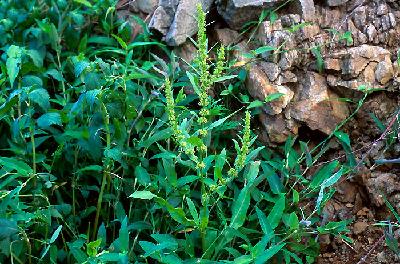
(322, 51)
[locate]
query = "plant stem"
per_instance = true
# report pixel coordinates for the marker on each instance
(106, 171)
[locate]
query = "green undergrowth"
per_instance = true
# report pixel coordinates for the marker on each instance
(106, 159)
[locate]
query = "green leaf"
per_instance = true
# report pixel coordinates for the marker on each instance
(55, 234)
(124, 235)
(91, 247)
(265, 226)
(343, 137)
(264, 49)
(192, 210)
(14, 164)
(255, 104)
(41, 97)
(316, 51)
(84, 2)
(322, 174)
(142, 176)
(120, 41)
(274, 217)
(48, 119)
(239, 208)
(273, 97)
(8, 228)
(269, 253)
(13, 63)
(144, 195)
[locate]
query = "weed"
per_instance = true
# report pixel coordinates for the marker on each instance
(105, 158)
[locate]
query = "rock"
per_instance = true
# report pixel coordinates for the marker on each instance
(227, 36)
(184, 24)
(359, 57)
(305, 8)
(332, 64)
(259, 87)
(186, 52)
(316, 106)
(271, 70)
(145, 6)
(384, 72)
(286, 77)
(371, 33)
(336, 2)
(238, 12)
(277, 127)
(163, 16)
(380, 182)
(382, 9)
(360, 227)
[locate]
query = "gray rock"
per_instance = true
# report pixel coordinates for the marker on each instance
(238, 12)
(384, 72)
(336, 2)
(145, 6)
(260, 87)
(271, 70)
(176, 19)
(163, 16)
(305, 8)
(184, 24)
(316, 106)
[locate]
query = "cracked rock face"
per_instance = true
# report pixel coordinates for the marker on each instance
(359, 51)
(176, 19)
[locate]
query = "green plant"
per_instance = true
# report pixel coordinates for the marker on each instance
(105, 159)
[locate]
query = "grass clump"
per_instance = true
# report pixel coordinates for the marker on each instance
(100, 165)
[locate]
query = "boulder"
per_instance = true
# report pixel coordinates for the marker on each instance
(336, 2)
(316, 106)
(278, 128)
(259, 87)
(238, 12)
(176, 19)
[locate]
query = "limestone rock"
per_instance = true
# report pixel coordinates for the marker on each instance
(336, 2)
(227, 36)
(384, 72)
(271, 70)
(176, 19)
(260, 87)
(184, 24)
(379, 182)
(316, 106)
(277, 127)
(359, 57)
(163, 16)
(145, 6)
(360, 227)
(238, 12)
(306, 9)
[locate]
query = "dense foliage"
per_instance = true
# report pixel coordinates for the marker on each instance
(104, 157)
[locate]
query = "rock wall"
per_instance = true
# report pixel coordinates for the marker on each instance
(315, 61)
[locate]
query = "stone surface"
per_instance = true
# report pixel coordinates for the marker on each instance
(378, 183)
(145, 6)
(238, 12)
(176, 19)
(305, 8)
(227, 36)
(384, 72)
(360, 227)
(163, 16)
(316, 106)
(277, 128)
(336, 2)
(260, 87)
(184, 24)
